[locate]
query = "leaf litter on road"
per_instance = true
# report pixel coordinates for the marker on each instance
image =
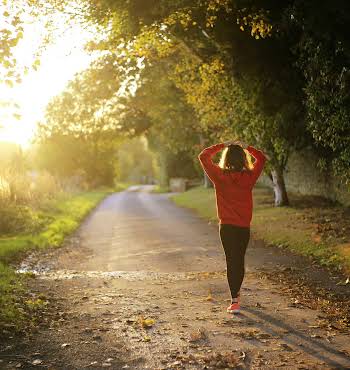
(215, 360)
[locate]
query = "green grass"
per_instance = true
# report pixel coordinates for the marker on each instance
(288, 227)
(11, 289)
(201, 200)
(63, 216)
(160, 189)
(120, 186)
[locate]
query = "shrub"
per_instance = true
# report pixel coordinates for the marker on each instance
(18, 219)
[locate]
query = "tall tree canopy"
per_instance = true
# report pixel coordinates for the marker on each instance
(273, 73)
(215, 64)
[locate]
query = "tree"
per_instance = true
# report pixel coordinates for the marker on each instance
(14, 15)
(173, 133)
(217, 70)
(91, 160)
(136, 163)
(322, 52)
(274, 73)
(10, 34)
(82, 125)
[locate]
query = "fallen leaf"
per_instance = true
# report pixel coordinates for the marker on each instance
(197, 335)
(147, 323)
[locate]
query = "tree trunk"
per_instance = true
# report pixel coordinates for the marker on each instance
(279, 188)
(206, 181)
(163, 171)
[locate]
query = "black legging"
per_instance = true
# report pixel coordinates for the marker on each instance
(234, 240)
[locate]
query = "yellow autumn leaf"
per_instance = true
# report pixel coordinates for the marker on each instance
(146, 323)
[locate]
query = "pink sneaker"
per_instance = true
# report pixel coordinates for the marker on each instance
(234, 307)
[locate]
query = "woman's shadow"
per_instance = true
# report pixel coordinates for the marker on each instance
(296, 338)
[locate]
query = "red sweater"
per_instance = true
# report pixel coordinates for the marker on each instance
(233, 190)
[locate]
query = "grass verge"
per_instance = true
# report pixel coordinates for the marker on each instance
(62, 216)
(311, 226)
(160, 189)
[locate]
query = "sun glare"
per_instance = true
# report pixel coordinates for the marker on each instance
(59, 62)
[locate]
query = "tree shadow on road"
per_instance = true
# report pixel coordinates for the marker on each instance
(297, 339)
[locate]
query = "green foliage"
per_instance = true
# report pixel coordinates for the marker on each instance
(160, 190)
(323, 56)
(273, 73)
(21, 193)
(90, 161)
(174, 134)
(173, 122)
(85, 106)
(11, 312)
(85, 124)
(18, 219)
(58, 218)
(136, 164)
(216, 69)
(14, 16)
(182, 164)
(10, 34)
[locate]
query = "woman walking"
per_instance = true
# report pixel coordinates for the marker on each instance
(233, 180)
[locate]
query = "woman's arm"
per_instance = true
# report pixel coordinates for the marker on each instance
(260, 159)
(206, 159)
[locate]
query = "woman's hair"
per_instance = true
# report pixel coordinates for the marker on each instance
(234, 158)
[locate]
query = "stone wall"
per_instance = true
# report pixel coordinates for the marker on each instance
(303, 176)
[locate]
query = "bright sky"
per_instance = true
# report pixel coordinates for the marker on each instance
(59, 63)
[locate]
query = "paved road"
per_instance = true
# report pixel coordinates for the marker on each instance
(139, 257)
(137, 229)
